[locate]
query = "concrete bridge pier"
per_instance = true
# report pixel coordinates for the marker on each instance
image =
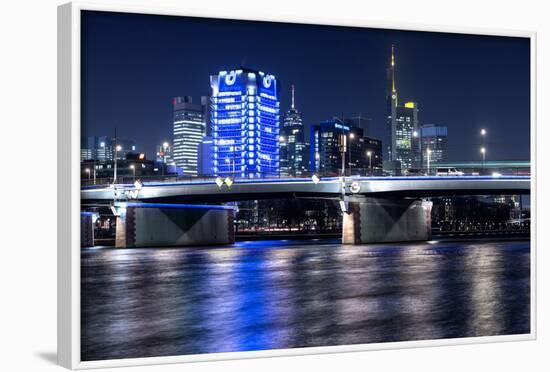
(161, 225)
(378, 220)
(86, 229)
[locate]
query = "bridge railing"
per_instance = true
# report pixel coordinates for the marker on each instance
(88, 180)
(461, 171)
(461, 226)
(130, 179)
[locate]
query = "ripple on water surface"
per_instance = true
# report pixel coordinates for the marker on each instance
(285, 294)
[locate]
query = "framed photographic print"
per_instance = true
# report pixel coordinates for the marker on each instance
(235, 186)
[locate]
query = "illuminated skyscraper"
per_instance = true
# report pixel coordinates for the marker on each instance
(189, 129)
(433, 138)
(391, 101)
(404, 144)
(294, 151)
(325, 153)
(406, 135)
(245, 123)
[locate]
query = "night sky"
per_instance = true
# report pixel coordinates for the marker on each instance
(133, 65)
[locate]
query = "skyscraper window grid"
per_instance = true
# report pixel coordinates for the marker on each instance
(406, 125)
(189, 130)
(245, 123)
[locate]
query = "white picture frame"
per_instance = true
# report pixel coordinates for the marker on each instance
(69, 185)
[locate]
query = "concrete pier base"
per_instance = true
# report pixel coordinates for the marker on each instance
(86, 229)
(374, 220)
(159, 225)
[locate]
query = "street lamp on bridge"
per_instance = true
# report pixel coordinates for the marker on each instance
(282, 143)
(483, 133)
(133, 168)
(428, 153)
(343, 150)
(351, 136)
(369, 155)
(117, 149)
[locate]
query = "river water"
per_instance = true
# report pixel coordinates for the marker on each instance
(288, 294)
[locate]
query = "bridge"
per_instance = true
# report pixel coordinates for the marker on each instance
(208, 191)
(377, 209)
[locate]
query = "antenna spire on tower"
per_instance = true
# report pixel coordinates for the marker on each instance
(292, 87)
(393, 67)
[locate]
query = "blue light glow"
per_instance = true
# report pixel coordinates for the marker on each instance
(178, 206)
(234, 121)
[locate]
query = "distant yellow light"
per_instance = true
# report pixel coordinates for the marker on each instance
(409, 105)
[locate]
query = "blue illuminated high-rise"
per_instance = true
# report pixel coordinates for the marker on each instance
(245, 123)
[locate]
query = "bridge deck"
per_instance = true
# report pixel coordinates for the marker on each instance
(305, 187)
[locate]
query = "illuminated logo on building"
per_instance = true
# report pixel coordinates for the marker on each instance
(267, 81)
(230, 78)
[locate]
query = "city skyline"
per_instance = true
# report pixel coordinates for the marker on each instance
(266, 186)
(488, 86)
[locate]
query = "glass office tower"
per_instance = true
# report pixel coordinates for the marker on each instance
(294, 150)
(325, 150)
(403, 126)
(406, 134)
(189, 130)
(245, 123)
(434, 141)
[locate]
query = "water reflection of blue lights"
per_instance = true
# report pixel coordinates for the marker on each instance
(287, 294)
